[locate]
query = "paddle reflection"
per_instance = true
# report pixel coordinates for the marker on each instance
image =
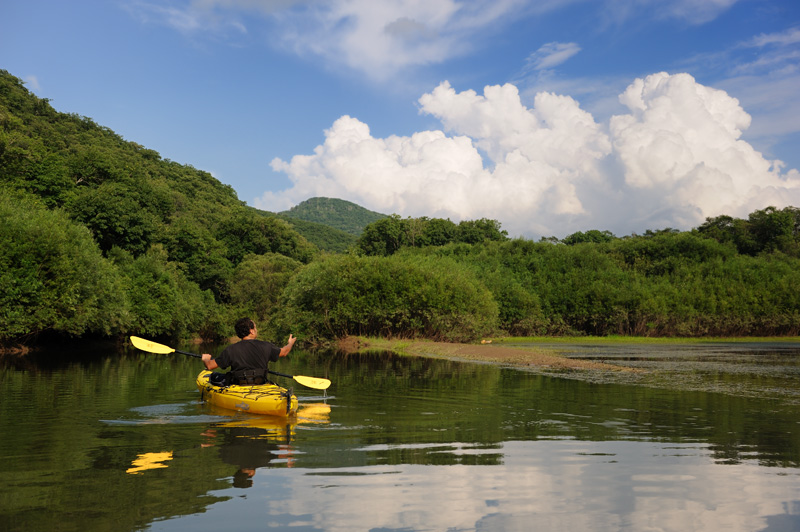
(147, 461)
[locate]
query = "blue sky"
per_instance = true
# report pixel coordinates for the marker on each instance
(551, 117)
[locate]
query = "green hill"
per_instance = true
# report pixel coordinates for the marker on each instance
(339, 214)
(324, 237)
(169, 239)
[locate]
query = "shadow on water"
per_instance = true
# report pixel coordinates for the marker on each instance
(123, 442)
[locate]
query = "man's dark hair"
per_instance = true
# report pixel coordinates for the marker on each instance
(243, 326)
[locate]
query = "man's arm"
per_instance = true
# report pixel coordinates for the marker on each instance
(210, 364)
(288, 347)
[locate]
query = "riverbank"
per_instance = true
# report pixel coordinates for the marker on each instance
(741, 367)
(517, 356)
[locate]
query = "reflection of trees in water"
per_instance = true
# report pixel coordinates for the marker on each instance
(751, 414)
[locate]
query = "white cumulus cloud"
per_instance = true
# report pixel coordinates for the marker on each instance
(683, 139)
(674, 159)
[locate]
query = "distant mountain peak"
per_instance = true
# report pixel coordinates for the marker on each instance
(337, 213)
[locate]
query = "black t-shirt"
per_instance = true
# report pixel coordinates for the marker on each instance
(248, 354)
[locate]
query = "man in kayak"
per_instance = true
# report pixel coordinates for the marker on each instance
(248, 358)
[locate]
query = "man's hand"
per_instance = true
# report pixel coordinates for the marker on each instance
(288, 347)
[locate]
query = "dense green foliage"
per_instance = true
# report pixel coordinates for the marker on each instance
(161, 300)
(766, 230)
(55, 279)
(102, 236)
(52, 273)
(388, 296)
(168, 236)
(388, 235)
(331, 212)
(666, 284)
(257, 285)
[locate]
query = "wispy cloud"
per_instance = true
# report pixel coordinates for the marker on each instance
(784, 38)
(377, 39)
(188, 18)
(551, 55)
(693, 11)
(775, 52)
(33, 83)
(382, 39)
(615, 13)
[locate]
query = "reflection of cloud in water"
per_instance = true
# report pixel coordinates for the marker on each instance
(550, 485)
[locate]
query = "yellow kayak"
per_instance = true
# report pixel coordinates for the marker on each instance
(268, 399)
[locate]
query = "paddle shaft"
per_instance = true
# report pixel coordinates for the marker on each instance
(199, 356)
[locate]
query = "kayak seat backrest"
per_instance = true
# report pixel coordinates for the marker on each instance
(248, 376)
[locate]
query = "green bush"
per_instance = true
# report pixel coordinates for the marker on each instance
(400, 296)
(163, 301)
(519, 308)
(257, 284)
(52, 275)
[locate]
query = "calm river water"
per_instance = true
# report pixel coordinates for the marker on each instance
(707, 439)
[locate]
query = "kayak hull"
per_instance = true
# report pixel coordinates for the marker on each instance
(266, 399)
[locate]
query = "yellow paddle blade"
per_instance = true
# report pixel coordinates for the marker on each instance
(313, 382)
(151, 347)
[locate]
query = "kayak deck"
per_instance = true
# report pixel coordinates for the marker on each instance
(267, 399)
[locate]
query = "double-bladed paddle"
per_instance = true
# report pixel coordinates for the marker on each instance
(161, 349)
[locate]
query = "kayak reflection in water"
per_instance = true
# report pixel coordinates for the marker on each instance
(248, 449)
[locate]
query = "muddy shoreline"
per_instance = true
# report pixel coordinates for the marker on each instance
(532, 358)
(760, 370)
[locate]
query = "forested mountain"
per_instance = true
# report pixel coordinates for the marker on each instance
(325, 237)
(101, 236)
(336, 213)
(168, 237)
